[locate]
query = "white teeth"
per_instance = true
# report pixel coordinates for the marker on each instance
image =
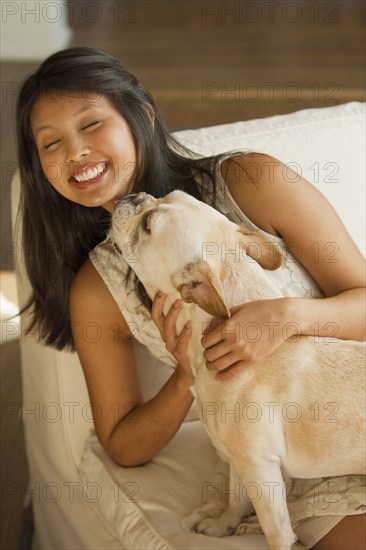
(90, 173)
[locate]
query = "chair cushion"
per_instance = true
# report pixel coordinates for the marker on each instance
(143, 506)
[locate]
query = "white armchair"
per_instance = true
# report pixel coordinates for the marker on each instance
(80, 497)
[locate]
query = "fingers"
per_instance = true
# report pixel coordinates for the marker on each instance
(215, 322)
(184, 336)
(224, 352)
(182, 340)
(232, 371)
(166, 324)
(222, 363)
(212, 335)
(217, 351)
(157, 310)
(170, 334)
(229, 360)
(221, 350)
(219, 343)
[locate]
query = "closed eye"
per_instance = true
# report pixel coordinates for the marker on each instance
(90, 124)
(48, 145)
(152, 221)
(117, 248)
(145, 222)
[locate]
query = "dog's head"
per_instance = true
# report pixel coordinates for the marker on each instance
(179, 244)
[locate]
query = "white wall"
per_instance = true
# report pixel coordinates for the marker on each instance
(33, 29)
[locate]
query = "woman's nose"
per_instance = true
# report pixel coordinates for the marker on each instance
(77, 149)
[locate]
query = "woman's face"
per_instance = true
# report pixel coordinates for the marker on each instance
(85, 147)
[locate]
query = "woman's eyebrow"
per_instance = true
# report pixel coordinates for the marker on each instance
(77, 112)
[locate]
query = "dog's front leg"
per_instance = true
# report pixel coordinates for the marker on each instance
(237, 508)
(263, 484)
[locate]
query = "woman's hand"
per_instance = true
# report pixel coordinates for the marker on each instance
(175, 343)
(254, 330)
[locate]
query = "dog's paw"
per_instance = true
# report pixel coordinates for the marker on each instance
(213, 509)
(214, 527)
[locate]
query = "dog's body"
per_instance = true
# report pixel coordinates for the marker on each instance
(297, 413)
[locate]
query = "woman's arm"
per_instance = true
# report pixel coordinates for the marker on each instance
(282, 204)
(130, 431)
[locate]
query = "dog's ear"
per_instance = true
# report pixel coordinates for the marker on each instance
(262, 250)
(199, 284)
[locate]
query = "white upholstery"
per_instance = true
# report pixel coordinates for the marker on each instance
(327, 144)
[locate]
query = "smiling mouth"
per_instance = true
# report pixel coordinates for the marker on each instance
(90, 175)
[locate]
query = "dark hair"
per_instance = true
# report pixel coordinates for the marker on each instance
(57, 233)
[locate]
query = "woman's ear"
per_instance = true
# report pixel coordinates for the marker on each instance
(150, 112)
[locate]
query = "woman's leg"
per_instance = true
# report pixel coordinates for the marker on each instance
(348, 534)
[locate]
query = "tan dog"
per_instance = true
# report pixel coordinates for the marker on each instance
(173, 240)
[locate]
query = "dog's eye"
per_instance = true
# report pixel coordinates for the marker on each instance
(146, 222)
(117, 248)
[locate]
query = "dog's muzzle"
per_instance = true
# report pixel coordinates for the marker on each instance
(131, 205)
(134, 199)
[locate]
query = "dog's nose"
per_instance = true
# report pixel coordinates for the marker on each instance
(133, 198)
(140, 198)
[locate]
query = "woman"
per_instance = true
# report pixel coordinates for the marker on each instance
(88, 134)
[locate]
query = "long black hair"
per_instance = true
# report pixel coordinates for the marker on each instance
(57, 233)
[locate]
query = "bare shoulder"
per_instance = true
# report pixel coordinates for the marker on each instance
(249, 178)
(254, 168)
(264, 188)
(87, 282)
